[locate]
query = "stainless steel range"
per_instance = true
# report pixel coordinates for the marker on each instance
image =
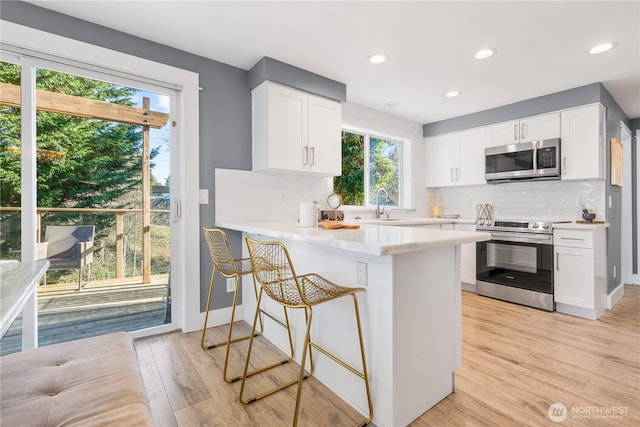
(516, 265)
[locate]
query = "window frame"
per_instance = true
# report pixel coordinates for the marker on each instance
(368, 134)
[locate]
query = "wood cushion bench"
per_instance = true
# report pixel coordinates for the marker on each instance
(93, 381)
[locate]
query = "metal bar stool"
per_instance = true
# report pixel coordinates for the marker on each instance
(273, 269)
(227, 266)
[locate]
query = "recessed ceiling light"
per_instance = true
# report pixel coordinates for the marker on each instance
(393, 104)
(485, 53)
(601, 48)
(452, 94)
(378, 58)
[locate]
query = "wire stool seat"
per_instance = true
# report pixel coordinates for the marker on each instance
(274, 271)
(236, 268)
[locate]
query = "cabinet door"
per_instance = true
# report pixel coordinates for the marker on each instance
(582, 143)
(573, 278)
(325, 144)
(545, 126)
(287, 123)
(471, 157)
(442, 160)
(503, 133)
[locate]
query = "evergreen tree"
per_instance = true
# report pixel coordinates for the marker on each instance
(80, 162)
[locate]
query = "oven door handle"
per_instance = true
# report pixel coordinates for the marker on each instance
(534, 238)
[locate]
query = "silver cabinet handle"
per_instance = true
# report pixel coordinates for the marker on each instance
(577, 239)
(522, 131)
(564, 166)
(457, 174)
(515, 131)
(452, 179)
(558, 261)
(313, 156)
(305, 155)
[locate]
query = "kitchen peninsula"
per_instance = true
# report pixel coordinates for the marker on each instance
(411, 310)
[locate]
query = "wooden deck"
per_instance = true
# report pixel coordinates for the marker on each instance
(101, 307)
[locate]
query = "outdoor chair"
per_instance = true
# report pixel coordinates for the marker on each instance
(68, 247)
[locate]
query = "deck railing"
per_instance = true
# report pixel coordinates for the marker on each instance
(119, 236)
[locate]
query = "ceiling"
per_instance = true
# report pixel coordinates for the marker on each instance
(542, 47)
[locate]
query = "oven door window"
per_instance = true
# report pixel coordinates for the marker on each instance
(516, 264)
(512, 257)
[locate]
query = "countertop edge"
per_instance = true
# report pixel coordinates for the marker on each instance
(348, 239)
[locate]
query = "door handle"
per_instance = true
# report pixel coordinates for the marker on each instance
(515, 131)
(557, 261)
(457, 174)
(452, 179)
(564, 166)
(177, 209)
(305, 155)
(313, 156)
(522, 131)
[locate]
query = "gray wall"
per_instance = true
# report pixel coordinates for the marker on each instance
(279, 72)
(556, 101)
(225, 109)
(595, 92)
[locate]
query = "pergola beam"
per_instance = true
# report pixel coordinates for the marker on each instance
(82, 107)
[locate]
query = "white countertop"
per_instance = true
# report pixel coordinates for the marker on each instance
(579, 226)
(369, 239)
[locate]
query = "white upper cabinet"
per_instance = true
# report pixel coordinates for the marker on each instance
(325, 141)
(583, 142)
(544, 126)
(455, 158)
(294, 131)
(471, 159)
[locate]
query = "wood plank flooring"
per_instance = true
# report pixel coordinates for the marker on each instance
(517, 361)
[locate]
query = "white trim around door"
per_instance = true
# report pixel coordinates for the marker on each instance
(185, 206)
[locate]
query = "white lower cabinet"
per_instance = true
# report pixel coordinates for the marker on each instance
(580, 271)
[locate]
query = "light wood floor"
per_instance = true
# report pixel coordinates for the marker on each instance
(517, 361)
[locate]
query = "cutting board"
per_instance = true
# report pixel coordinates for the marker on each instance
(334, 225)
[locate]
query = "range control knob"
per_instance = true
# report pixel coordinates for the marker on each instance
(535, 225)
(546, 225)
(480, 222)
(489, 222)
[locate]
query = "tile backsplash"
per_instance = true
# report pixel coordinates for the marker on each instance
(536, 200)
(253, 196)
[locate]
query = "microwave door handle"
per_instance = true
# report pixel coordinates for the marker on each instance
(535, 161)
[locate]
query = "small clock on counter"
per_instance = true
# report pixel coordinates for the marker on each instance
(334, 201)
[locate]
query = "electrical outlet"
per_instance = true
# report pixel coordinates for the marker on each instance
(231, 284)
(362, 273)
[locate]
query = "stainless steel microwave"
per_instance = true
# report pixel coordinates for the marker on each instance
(527, 160)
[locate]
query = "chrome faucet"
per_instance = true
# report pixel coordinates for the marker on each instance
(386, 196)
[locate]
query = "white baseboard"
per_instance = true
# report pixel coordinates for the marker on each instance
(221, 316)
(614, 296)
